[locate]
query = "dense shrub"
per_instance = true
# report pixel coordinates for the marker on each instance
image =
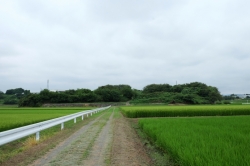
(226, 102)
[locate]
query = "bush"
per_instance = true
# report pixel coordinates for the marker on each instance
(218, 102)
(10, 101)
(226, 102)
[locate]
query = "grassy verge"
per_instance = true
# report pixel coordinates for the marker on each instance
(159, 156)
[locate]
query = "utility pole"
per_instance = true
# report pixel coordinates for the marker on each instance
(48, 84)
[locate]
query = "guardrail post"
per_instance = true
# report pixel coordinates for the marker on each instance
(91, 114)
(74, 120)
(87, 115)
(62, 126)
(82, 117)
(37, 136)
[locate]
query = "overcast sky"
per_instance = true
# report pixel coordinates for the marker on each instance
(90, 43)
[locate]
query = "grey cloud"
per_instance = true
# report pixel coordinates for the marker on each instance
(86, 44)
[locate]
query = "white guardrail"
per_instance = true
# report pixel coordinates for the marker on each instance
(17, 133)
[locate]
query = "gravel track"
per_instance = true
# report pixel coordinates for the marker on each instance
(72, 150)
(107, 140)
(100, 152)
(127, 148)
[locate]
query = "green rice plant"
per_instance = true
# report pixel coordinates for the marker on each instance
(11, 149)
(185, 111)
(203, 140)
(15, 117)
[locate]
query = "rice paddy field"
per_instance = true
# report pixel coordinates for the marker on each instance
(197, 135)
(202, 140)
(185, 111)
(11, 117)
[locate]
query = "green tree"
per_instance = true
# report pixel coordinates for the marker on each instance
(108, 95)
(70, 92)
(127, 93)
(32, 100)
(1, 95)
(214, 95)
(157, 88)
(10, 100)
(136, 93)
(14, 91)
(45, 96)
(83, 91)
(176, 88)
(10, 92)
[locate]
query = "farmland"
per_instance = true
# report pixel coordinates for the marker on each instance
(105, 138)
(185, 111)
(202, 140)
(191, 135)
(16, 117)
(197, 135)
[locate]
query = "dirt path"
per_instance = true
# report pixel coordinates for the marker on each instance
(105, 140)
(75, 149)
(100, 152)
(127, 148)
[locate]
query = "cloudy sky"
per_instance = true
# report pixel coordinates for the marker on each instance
(90, 43)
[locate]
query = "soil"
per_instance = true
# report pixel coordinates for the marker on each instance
(101, 141)
(127, 148)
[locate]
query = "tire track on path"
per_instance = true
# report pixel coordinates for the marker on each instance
(127, 148)
(72, 150)
(100, 152)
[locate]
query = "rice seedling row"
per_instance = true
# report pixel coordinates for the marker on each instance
(185, 111)
(202, 140)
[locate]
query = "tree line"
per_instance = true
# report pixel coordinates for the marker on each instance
(191, 93)
(12, 96)
(107, 93)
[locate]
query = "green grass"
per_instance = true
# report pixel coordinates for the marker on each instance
(202, 141)
(16, 117)
(185, 111)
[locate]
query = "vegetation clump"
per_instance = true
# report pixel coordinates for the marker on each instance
(108, 93)
(12, 96)
(192, 93)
